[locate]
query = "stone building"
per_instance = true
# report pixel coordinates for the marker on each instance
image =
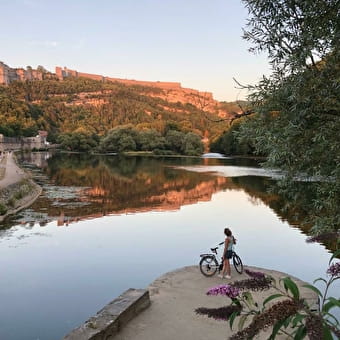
(18, 143)
(63, 73)
(8, 74)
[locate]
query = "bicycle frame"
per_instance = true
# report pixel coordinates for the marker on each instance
(215, 265)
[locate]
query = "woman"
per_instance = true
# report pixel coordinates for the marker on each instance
(227, 253)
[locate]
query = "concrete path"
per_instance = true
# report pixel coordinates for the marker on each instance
(176, 295)
(13, 173)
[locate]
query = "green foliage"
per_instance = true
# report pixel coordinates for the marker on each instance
(296, 125)
(126, 138)
(288, 312)
(119, 140)
(3, 209)
(298, 106)
(17, 118)
(78, 141)
(174, 140)
(229, 144)
(95, 107)
(149, 140)
(192, 145)
(18, 195)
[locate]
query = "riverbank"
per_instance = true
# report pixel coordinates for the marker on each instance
(171, 314)
(17, 190)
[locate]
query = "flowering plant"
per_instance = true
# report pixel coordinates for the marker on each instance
(291, 315)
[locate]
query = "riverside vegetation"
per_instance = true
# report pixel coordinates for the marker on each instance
(291, 316)
(295, 123)
(11, 196)
(296, 110)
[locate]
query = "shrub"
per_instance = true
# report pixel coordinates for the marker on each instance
(291, 316)
(3, 209)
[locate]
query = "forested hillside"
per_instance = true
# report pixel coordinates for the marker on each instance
(93, 107)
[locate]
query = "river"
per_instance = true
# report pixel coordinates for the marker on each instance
(107, 223)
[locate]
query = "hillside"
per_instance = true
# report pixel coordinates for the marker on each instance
(91, 106)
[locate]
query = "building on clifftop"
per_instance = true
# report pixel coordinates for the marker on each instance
(9, 74)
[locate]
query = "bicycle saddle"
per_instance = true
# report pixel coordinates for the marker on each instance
(214, 250)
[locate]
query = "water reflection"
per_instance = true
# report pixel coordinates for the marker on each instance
(78, 186)
(81, 186)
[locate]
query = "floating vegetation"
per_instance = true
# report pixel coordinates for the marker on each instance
(62, 192)
(70, 205)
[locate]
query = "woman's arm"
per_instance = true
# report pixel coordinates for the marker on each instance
(226, 243)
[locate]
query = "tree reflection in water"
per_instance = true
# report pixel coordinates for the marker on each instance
(102, 185)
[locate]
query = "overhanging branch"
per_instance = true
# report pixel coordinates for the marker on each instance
(235, 116)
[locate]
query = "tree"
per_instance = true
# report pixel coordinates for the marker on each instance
(77, 141)
(119, 139)
(150, 140)
(192, 145)
(41, 69)
(229, 144)
(297, 108)
(174, 140)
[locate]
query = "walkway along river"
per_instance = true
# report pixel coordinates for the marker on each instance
(17, 190)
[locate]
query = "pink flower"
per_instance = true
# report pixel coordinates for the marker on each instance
(255, 275)
(334, 270)
(227, 290)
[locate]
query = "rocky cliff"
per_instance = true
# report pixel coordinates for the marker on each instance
(170, 91)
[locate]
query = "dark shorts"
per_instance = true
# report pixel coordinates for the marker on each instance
(228, 254)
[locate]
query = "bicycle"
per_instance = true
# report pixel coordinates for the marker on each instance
(209, 264)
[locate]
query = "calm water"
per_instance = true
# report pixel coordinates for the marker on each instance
(105, 224)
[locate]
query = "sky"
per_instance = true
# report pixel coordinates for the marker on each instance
(195, 42)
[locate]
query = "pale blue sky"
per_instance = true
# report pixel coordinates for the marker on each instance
(195, 42)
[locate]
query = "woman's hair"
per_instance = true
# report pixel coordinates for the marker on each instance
(227, 231)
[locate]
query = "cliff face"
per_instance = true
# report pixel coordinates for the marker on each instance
(202, 100)
(172, 92)
(71, 101)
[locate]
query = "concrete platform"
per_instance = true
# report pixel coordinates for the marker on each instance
(174, 297)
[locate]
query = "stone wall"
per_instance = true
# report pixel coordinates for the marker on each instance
(13, 143)
(113, 317)
(63, 73)
(8, 74)
(18, 196)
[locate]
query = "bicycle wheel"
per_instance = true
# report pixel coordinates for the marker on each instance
(237, 263)
(208, 265)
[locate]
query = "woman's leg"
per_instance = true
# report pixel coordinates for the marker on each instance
(227, 267)
(224, 267)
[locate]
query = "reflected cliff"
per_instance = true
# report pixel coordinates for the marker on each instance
(79, 186)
